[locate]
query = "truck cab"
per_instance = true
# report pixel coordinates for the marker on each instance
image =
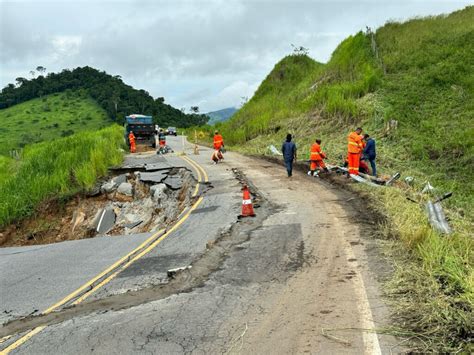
(142, 127)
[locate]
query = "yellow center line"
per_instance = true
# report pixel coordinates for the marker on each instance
(140, 255)
(199, 177)
(197, 167)
(88, 284)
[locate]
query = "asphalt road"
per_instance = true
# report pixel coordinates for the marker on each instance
(299, 277)
(35, 277)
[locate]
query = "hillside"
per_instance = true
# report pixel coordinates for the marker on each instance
(110, 92)
(56, 169)
(53, 116)
(220, 115)
(421, 79)
(419, 74)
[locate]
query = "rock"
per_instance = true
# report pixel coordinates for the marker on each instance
(94, 191)
(77, 218)
(125, 188)
(120, 179)
(108, 187)
(147, 203)
(158, 192)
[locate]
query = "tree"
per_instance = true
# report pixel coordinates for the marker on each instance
(20, 81)
(32, 73)
(40, 69)
(111, 93)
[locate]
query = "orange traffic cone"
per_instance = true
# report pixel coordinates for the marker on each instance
(247, 207)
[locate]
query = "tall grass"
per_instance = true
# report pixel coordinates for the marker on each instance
(433, 286)
(57, 169)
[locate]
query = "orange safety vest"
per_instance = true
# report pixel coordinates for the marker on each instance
(316, 153)
(131, 138)
(354, 144)
(218, 141)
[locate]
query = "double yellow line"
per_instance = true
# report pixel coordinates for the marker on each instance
(118, 266)
(201, 173)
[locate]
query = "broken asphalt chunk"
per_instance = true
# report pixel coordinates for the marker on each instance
(174, 182)
(155, 177)
(104, 220)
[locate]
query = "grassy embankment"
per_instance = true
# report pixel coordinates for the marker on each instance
(422, 75)
(50, 117)
(50, 166)
(56, 169)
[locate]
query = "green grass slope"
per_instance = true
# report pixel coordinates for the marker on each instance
(56, 169)
(423, 79)
(421, 74)
(47, 118)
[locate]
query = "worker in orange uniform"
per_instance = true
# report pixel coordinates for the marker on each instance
(131, 140)
(218, 141)
(316, 159)
(218, 145)
(354, 150)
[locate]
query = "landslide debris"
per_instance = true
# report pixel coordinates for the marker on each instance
(127, 203)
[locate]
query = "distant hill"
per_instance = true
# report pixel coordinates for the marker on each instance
(110, 92)
(221, 115)
(53, 116)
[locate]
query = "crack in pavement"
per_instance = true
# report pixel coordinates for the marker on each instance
(210, 261)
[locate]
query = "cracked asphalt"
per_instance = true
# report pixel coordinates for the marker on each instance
(298, 278)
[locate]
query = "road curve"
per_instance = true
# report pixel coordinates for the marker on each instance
(300, 277)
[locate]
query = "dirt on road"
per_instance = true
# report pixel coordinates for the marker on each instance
(304, 276)
(333, 304)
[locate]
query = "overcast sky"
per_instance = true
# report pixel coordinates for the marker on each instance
(205, 53)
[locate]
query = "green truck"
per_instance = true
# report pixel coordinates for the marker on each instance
(143, 129)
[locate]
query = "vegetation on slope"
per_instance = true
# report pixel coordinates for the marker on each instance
(110, 92)
(56, 169)
(221, 115)
(419, 73)
(52, 116)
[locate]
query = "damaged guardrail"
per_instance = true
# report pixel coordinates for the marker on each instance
(434, 210)
(436, 215)
(364, 178)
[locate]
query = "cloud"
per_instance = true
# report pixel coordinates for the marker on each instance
(190, 52)
(230, 96)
